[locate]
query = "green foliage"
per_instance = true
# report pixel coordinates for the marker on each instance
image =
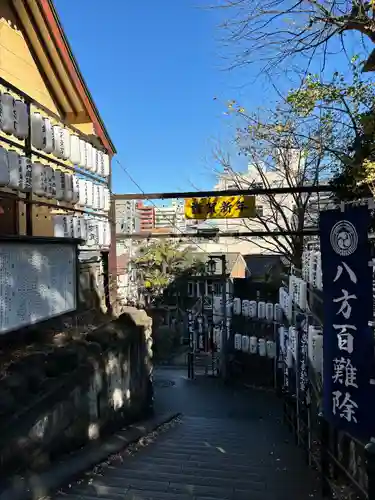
(344, 110)
(160, 263)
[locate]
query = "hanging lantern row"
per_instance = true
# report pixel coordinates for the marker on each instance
(253, 345)
(259, 310)
(288, 342)
(61, 143)
(96, 232)
(50, 138)
(312, 268)
(18, 172)
(217, 310)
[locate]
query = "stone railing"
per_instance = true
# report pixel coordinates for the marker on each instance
(86, 388)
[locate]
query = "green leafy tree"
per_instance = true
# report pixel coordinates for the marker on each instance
(343, 109)
(160, 263)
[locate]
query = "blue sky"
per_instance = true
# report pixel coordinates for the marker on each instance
(154, 68)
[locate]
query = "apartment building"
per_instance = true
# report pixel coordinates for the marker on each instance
(171, 217)
(146, 215)
(127, 217)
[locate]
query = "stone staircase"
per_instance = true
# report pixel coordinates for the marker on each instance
(202, 458)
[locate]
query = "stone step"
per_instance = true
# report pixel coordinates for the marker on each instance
(197, 460)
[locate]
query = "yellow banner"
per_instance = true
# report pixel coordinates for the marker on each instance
(220, 207)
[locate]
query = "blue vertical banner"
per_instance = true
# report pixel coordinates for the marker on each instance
(348, 348)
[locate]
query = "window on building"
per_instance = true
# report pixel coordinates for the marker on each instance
(191, 289)
(209, 287)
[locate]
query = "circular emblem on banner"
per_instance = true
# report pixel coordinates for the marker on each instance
(344, 238)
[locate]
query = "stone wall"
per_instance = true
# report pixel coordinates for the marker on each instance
(87, 388)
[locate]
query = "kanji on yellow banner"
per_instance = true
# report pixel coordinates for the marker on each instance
(220, 207)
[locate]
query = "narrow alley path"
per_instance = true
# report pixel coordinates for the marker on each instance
(228, 445)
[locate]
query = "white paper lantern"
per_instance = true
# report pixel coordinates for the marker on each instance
(69, 219)
(89, 200)
(58, 141)
(50, 182)
(229, 307)
(84, 229)
(262, 347)
(269, 311)
(253, 308)
(4, 167)
(107, 200)
(14, 169)
(82, 185)
(66, 143)
(315, 348)
(75, 154)
(75, 181)
(48, 135)
(92, 232)
(101, 197)
(95, 200)
(61, 226)
(100, 223)
(271, 349)
(82, 153)
(7, 114)
(293, 341)
(238, 342)
(60, 185)
(100, 163)
(22, 119)
(245, 343)
(303, 295)
(277, 312)
(95, 160)
(237, 306)
(106, 166)
(77, 231)
(253, 345)
(244, 307)
(39, 179)
(261, 310)
(282, 338)
(26, 174)
(37, 131)
(67, 185)
(319, 275)
(89, 156)
(305, 265)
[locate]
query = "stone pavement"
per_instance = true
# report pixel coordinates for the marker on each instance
(228, 445)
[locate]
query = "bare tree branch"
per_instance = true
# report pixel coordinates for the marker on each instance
(274, 31)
